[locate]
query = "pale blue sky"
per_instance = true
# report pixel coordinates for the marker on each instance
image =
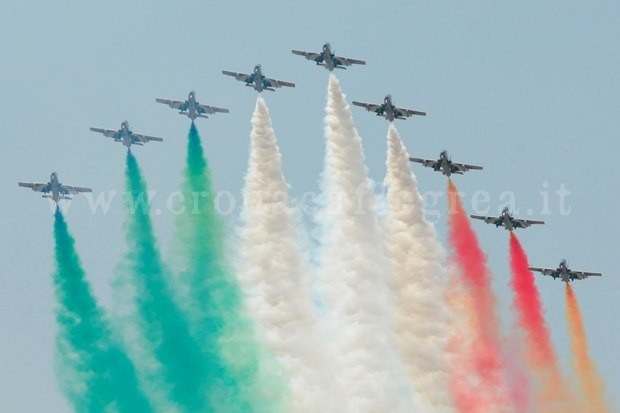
(528, 89)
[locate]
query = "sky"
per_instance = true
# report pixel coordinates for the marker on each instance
(528, 89)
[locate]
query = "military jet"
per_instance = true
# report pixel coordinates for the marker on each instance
(445, 165)
(258, 81)
(388, 110)
(126, 136)
(564, 273)
(191, 108)
(507, 221)
(54, 189)
(328, 59)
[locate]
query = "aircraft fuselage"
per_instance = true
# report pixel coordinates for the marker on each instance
(505, 220)
(124, 135)
(445, 165)
(54, 189)
(192, 107)
(328, 58)
(564, 273)
(387, 109)
(258, 79)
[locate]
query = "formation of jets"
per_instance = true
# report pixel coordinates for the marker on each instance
(259, 82)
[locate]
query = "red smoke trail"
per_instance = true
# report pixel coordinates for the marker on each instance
(459, 350)
(591, 383)
(486, 391)
(552, 393)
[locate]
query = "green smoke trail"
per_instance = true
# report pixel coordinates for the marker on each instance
(160, 322)
(95, 373)
(214, 300)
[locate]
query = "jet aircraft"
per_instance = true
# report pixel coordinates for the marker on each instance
(191, 108)
(126, 136)
(258, 81)
(507, 221)
(565, 273)
(54, 189)
(328, 59)
(388, 110)
(445, 165)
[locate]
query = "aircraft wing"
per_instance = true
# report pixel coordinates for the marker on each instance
(175, 104)
(145, 138)
(348, 62)
(213, 109)
(109, 133)
(279, 83)
(66, 189)
(488, 220)
(582, 274)
(527, 222)
(465, 167)
(543, 271)
(409, 112)
(371, 107)
(425, 162)
(242, 77)
(307, 55)
(35, 187)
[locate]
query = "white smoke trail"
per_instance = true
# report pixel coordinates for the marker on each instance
(354, 273)
(419, 283)
(274, 272)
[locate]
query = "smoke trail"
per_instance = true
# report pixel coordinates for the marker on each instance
(96, 374)
(274, 270)
(488, 391)
(353, 274)
(552, 394)
(591, 383)
(421, 322)
(211, 294)
(460, 348)
(163, 327)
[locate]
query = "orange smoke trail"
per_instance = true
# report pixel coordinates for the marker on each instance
(591, 383)
(484, 390)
